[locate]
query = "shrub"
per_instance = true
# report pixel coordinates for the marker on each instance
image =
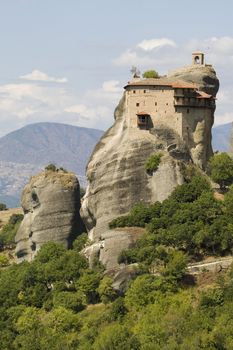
(80, 242)
(88, 284)
(153, 162)
(115, 337)
(211, 298)
(140, 215)
(150, 74)
(15, 218)
(189, 192)
(106, 291)
(8, 232)
(69, 300)
(3, 207)
(51, 167)
(63, 170)
(4, 261)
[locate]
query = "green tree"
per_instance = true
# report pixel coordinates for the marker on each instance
(88, 284)
(74, 301)
(3, 207)
(8, 232)
(4, 260)
(80, 242)
(152, 163)
(106, 291)
(150, 74)
(176, 264)
(116, 337)
(221, 169)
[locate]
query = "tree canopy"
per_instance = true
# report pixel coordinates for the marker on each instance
(221, 169)
(150, 74)
(58, 302)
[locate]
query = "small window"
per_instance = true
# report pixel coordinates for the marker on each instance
(134, 91)
(144, 91)
(167, 103)
(187, 110)
(143, 121)
(155, 103)
(137, 104)
(178, 99)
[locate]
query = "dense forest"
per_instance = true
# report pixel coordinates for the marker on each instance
(58, 302)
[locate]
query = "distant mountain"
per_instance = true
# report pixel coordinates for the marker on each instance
(221, 137)
(25, 151)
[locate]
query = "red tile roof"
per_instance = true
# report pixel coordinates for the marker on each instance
(162, 82)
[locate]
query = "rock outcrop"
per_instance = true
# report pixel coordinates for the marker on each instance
(204, 76)
(51, 203)
(116, 174)
(200, 138)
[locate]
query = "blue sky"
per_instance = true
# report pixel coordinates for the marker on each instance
(67, 60)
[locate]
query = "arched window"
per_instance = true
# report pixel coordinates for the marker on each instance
(197, 59)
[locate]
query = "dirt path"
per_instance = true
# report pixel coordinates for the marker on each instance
(214, 266)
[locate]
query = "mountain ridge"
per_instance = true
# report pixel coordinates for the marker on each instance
(221, 137)
(25, 151)
(65, 145)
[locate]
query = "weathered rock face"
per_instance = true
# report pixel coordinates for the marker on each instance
(118, 180)
(51, 203)
(199, 138)
(202, 75)
(116, 173)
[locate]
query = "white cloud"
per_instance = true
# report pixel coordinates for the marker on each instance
(132, 58)
(88, 112)
(144, 53)
(149, 45)
(98, 105)
(112, 86)
(108, 94)
(23, 103)
(37, 75)
(30, 100)
(222, 45)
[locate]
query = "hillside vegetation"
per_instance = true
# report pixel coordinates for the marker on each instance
(57, 302)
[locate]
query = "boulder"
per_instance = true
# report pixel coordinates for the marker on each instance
(51, 203)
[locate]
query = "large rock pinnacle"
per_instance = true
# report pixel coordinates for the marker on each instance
(51, 203)
(117, 178)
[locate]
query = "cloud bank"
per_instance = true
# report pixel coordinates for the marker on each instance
(37, 75)
(38, 96)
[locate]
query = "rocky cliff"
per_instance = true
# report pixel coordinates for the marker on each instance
(51, 203)
(116, 174)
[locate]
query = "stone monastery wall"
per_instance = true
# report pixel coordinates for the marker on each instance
(157, 102)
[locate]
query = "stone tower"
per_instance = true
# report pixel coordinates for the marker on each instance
(198, 58)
